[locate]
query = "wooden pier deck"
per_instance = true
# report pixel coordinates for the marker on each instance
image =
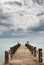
(23, 57)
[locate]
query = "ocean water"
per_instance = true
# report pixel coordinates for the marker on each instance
(5, 44)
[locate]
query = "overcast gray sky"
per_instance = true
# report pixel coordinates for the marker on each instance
(21, 18)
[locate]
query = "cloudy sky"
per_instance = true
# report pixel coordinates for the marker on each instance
(21, 18)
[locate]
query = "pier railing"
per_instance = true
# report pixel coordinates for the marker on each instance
(36, 53)
(11, 52)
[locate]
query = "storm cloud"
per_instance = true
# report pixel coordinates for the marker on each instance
(40, 2)
(37, 28)
(18, 21)
(13, 3)
(40, 14)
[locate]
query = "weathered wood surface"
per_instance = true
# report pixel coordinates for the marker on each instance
(23, 57)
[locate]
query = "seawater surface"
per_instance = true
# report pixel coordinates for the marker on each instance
(5, 44)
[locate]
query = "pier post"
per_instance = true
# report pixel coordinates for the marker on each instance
(6, 57)
(34, 51)
(11, 52)
(40, 55)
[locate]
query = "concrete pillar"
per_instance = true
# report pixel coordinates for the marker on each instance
(34, 51)
(6, 57)
(11, 52)
(40, 55)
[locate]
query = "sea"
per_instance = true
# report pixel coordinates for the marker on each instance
(6, 43)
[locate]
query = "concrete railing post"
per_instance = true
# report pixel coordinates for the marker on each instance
(6, 57)
(11, 52)
(40, 55)
(34, 51)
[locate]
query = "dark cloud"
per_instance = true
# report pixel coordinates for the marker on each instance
(4, 15)
(6, 24)
(18, 3)
(39, 2)
(12, 33)
(40, 14)
(5, 18)
(1, 10)
(9, 32)
(21, 14)
(38, 28)
(19, 30)
(17, 33)
(14, 2)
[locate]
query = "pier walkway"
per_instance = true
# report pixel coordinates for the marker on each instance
(23, 57)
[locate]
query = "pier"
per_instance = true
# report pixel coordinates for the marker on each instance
(23, 55)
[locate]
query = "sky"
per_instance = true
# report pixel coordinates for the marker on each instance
(22, 21)
(22, 18)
